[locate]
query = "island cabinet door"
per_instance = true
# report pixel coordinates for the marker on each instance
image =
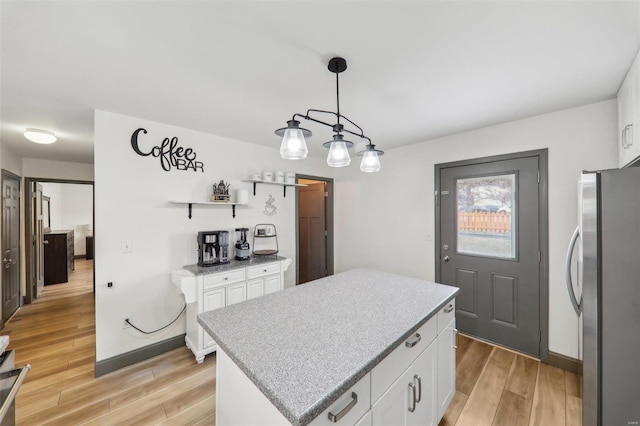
(411, 400)
(446, 366)
(272, 284)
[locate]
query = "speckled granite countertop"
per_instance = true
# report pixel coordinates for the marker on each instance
(233, 264)
(305, 346)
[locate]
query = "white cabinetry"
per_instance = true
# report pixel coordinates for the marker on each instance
(446, 348)
(629, 117)
(206, 292)
(411, 400)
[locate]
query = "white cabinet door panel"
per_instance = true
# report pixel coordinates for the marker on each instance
(236, 293)
(213, 299)
(255, 288)
(446, 367)
(272, 284)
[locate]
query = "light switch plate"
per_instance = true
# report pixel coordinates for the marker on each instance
(127, 247)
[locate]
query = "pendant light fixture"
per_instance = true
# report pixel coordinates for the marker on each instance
(294, 146)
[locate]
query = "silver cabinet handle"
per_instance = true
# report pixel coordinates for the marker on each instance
(455, 338)
(413, 341)
(412, 388)
(334, 418)
(448, 308)
(419, 379)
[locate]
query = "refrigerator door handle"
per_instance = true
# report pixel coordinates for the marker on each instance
(577, 306)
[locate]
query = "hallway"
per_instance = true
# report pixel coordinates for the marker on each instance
(56, 335)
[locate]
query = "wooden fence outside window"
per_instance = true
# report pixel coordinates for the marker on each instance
(485, 222)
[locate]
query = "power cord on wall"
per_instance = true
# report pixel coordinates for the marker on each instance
(160, 329)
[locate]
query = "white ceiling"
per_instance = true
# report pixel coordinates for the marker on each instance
(240, 69)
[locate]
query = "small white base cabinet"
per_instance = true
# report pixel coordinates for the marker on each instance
(413, 385)
(208, 291)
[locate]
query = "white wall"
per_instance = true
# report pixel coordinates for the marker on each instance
(399, 201)
(71, 207)
(132, 195)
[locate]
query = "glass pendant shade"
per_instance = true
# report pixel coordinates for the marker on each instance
(338, 152)
(370, 162)
(294, 146)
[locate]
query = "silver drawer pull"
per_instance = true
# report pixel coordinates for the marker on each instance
(412, 389)
(448, 308)
(413, 341)
(335, 418)
(264, 270)
(419, 379)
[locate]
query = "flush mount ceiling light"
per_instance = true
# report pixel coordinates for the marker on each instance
(40, 136)
(294, 146)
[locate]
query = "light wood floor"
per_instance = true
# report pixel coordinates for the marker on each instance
(498, 387)
(56, 335)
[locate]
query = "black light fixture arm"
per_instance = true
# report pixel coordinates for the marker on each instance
(337, 127)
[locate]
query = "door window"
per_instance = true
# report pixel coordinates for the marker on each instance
(486, 216)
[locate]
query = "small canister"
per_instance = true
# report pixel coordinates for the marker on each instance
(279, 176)
(290, 177)
(242, 196)
(267, 176)
(256, 176)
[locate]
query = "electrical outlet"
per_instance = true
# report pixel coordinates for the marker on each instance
(124, 321)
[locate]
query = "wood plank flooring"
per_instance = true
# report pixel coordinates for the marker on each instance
(497, 387)
(56, 335)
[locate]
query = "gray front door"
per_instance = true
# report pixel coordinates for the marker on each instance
(10, 245)
(490, 249)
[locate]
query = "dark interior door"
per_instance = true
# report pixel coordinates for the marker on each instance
(10, 245)
(489, 248)
(312, 232)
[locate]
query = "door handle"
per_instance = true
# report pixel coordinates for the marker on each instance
(572, 295)
(45, 242)
(419, 379)
(445, 259)
(412, 389)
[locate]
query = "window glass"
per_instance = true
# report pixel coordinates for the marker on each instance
(486, 216)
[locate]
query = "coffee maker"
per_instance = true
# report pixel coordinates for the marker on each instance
(242, 246)
(213, 248)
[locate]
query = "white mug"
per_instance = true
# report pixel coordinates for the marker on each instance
(257, 176)
(267, 176)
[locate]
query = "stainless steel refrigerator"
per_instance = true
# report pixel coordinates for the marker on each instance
(607, 294)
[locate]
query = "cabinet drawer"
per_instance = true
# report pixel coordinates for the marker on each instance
(215, 280)
(351, 415)
(446, 314)
(261, 270)
(390, 368)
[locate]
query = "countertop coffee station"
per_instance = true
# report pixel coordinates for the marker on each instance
(224, 276)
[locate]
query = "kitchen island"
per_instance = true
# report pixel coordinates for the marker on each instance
(336, 350)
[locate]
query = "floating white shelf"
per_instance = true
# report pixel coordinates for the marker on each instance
(210, 203)
(269, 182)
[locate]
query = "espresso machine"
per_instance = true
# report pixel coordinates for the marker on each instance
(213, 248)
(242, 246)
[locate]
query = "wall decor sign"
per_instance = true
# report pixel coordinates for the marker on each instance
(170, 154)
(269, 208)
